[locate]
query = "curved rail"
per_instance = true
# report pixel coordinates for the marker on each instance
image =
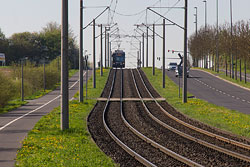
(225, 151)
(153, 143)
(119, 142)
(224, 139)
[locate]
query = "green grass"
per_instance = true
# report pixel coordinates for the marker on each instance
(47, 145)
(12, 105)
(220, 117)
(17, 103)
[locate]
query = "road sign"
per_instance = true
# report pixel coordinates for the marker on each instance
(2, 58)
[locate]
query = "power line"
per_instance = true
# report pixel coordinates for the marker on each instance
(134, 14)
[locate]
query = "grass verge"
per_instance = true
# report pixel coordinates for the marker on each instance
(220, 117)
(223, 76)
(12, 105)
(17, 103)
(47, 145)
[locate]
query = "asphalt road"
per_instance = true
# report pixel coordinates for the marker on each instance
(15, 125)
(207, 87)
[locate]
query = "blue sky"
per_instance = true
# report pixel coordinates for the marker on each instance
(32, 15)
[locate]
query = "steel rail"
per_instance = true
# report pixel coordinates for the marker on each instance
(153, 143)
(119, 142)
(224, 139)
(204, 143)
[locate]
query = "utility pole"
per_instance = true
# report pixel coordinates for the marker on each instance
(105, 61)
(196, 32)
(140, 53)
(138, 59)
(101, 61)
(153, 49)
(108, 48)
(64, 68)
(232, 57)
(44, 76)
(94, 71)
(185, 57)
(22, 86)
(142, 49)
(147, 50)
(110, 54)
(81, 54)
(163, 56)
(205, 60)
(196, 15)
(217, 36)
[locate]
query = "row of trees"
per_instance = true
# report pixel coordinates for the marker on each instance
(202, 45)
(37, 46)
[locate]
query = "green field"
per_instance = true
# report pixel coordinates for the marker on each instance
(47, 145)
(220, 117)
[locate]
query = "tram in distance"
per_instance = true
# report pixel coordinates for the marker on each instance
(118, 59)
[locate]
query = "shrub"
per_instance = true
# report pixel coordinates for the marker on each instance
(8, 90)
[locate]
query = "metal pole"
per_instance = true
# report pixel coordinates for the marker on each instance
(240, 71)
(163, 56)
(108, 48)
(196, 31)
(217, 36)
(94, 71)
(110, 56)
(196, 28)
(185, 57)
(147, 50)
(101, 61)
(64, 68)
(140, 53)
(105, 61)
(22, 86)
(232, 57)
(86, 57)
(142, 49)
(245, 70)
(153, 49)
(205, 57)
(44, 77)
(81, 54)
(138, 61)
(205, 14)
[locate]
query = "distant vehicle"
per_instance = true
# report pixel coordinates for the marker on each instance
(172, 66)
(118, 59)
(178, 71)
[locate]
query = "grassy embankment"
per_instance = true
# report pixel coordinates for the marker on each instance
(47, 145)
(223, 76)
(201, 110)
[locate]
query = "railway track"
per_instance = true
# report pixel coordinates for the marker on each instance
(134, 126)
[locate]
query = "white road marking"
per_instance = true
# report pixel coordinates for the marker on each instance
(36, 108)
(221, 91)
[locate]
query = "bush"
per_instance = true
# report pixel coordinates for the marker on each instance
(33, 76)
(8, 90)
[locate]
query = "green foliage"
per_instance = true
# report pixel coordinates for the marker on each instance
(11, 105)
(38, 45)
(47, 145)
(220, 117)
(33, 76)
(7, 90)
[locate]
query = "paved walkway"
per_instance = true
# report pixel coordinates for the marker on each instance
(15, 125)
